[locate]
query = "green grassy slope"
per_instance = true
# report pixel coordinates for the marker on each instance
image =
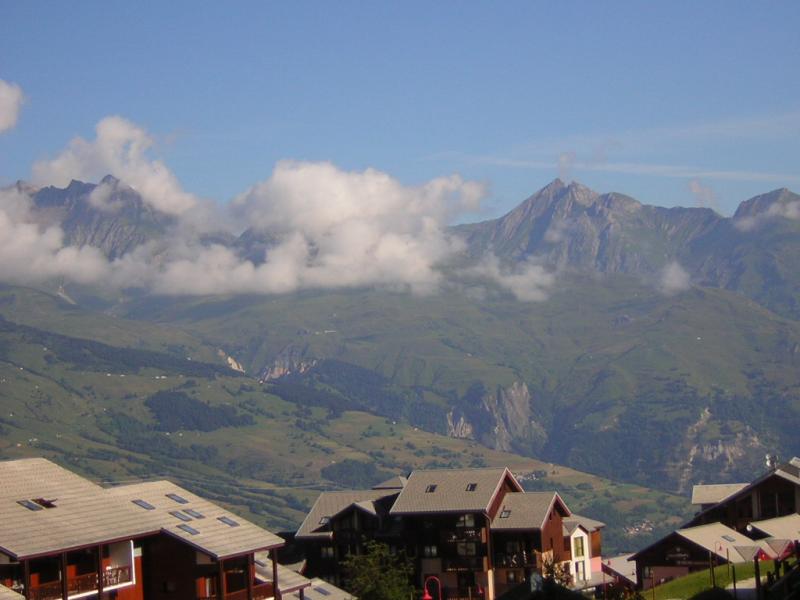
(117, 414)
(621, 376)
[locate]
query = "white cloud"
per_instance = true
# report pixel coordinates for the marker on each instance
(331, 229)
(674, 279)
(120, 148)
(29, 253)
(11, 99)
(528, 281)
(704, 195)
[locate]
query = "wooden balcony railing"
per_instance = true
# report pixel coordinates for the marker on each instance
(81, 584)
(515, 560)
(464, 563)
(261, 591)
(461, 534)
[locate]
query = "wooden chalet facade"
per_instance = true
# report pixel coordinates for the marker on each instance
(474, 529)
(62, 536)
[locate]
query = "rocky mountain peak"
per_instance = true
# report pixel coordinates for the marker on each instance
(771, 203)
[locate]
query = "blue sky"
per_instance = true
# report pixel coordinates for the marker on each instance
(673, 103)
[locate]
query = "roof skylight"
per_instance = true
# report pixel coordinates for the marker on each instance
(143, 504)
(30, 505)
(177, 498)
(730, 538)
(505, 513)
(324, 520)
(430, 489)
(471, 487)
(179, 515)
(193, 513)
(188, 529)
(228, 521)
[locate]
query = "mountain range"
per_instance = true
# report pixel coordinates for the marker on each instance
(664, 349)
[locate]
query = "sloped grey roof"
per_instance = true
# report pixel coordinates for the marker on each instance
(724, 541)
(329, 504)
(527, 510)
(787, 527)
(450, 494)
(288, 580)
(589, 525)
(621, 566)
(214, 537)
(9, 594)
(715, 492)
(322, 590)
(395, 483)
(86, 514)
(83, 514)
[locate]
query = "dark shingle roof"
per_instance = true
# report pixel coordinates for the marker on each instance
(527, 511)
(330, 504)
(451, 490)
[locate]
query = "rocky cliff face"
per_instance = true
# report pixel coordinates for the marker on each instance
(504, 420)
(292, 360)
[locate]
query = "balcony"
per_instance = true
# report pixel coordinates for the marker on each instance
(80, 585)
(464, 563)
(460, 534)
(261, 591)
(515, 560)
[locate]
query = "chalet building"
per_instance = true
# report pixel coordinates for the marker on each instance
(736, 523)
(62, 536)
(583, 543)
(774, 494)
(474, 529)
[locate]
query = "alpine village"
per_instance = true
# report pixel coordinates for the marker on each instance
(379, 300)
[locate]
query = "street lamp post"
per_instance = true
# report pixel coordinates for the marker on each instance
(425, 594)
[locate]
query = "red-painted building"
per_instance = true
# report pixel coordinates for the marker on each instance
(62, 536)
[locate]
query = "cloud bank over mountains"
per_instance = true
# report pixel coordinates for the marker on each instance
(328, 228)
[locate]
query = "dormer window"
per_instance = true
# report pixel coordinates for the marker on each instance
(430, 489)
(505, 513)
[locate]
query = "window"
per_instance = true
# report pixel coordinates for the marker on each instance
(324, 520)
(579, 549)
(228, 521)
(466, 521)
(647, 572)
(729, 538)
(430, 489)
(188, 529)
(326, 552)
(193, 513)
(505, 513)
(143, 504)
(512, 577)
(322, 590)
(471, 487)
(177, 498)
(179, 515)
(466, 548)
(29, 505)
(430, 551)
